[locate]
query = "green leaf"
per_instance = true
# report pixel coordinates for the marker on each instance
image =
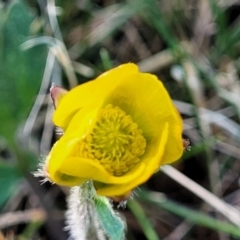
(9, 179)
(110, 221)
(20, 71)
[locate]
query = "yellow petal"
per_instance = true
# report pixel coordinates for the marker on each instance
(66, 169)
(92, 169)
(146, 100)
(174, 149)
(85, 93)
(60, 151)
(83, 121)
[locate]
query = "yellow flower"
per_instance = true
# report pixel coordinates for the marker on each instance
(118, 130)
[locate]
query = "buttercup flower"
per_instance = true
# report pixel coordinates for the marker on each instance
(118, 130)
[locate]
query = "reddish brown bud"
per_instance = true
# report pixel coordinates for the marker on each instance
(186, 144)
(57, 93)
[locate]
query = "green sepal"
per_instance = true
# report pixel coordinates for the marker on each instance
(111, 223)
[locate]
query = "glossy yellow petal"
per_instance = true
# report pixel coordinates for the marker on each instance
(60, 151)
(66, 169)
(92, 169)
(85, 93)
(146, 100)
(151, 164)
(174, 148)
(83, 121)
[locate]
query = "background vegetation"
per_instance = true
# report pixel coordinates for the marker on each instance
(192, 45)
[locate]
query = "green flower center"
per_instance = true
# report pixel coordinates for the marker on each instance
(115, 141)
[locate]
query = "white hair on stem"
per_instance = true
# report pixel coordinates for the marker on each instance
(81, 216)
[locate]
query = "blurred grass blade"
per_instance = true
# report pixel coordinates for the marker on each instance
(154, 17)
(212, 117)
(142, 220)
(45, 40)
(220, 19)
(106, 59)
(50, 69)
(188, 214)
(59, 50)
(229, 212)
(111, 18)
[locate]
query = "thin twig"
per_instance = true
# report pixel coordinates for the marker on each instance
(231, 213)
(180, 231)
(156, 62)
(14, 218)
(62, 51)
(47, 131)
(27, 130)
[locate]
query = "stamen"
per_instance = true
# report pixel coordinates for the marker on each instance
(115, 141)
